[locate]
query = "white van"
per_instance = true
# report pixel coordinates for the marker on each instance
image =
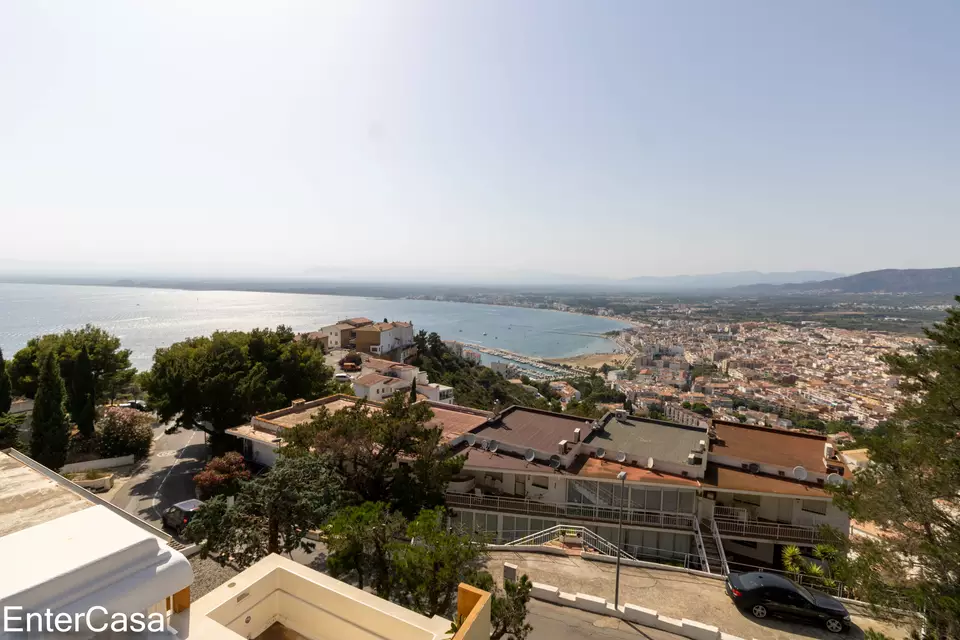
(342, 377)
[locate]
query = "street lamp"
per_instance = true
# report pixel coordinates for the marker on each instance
(622, 477)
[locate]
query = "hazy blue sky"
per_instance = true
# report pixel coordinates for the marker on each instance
(619, 137)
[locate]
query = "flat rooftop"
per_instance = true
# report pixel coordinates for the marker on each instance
(533, 428)
(29, 498)
(778, 447)
(667, 441)
(455, 420)
(298, 414)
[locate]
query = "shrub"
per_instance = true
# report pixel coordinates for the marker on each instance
(124, 432)
(222, 476)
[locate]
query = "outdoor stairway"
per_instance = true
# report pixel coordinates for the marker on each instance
(712, 546)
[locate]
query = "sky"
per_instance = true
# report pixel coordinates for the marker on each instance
(609, 138)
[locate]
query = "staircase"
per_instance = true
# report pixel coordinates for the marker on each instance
(713, 548)
(580, 539)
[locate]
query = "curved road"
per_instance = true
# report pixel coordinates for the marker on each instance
(166, 477)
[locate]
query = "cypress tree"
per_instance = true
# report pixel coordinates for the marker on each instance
(6, 398)
(50, 437)
(83, 394)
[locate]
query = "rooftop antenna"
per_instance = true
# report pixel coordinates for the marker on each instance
(601, 453)
(649, 463)
(799, 473)
(754, 467)
(471, 439)
(529, 455)
(834, 479)
(494, 445)
(621, 456)
(554, 462)
(485, 444)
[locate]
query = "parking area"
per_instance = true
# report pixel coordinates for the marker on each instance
(672, 593)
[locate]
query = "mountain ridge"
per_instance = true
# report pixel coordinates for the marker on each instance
(943, 280)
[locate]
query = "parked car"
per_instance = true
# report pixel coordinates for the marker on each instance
(139, 405)
(342, 377)
(768, 594)
(179, 515)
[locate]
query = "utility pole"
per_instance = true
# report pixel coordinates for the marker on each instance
(622, 477)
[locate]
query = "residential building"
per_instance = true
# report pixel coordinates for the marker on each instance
(436, 392)
(390, 340)
(373, 386)
(67, 550)
(565, 391)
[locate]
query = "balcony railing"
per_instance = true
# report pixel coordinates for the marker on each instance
(734, 522)
(572, 511)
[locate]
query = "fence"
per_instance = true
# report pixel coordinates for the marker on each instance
(836, 589)
(769, 530)
(572, 511)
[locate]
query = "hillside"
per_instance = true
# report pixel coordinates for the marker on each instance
(922, 281)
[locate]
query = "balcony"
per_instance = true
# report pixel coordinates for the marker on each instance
(571, 511)
(734, 522)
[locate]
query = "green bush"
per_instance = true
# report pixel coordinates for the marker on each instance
(124, 432)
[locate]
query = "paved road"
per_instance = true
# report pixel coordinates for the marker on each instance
(553, 622)
(166, 477)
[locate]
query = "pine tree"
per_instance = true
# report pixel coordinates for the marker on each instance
(5, 394)
(51, 431)
(83, 394)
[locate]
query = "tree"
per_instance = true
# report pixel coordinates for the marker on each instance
(223, 476)
(359, 542)
(109, 364)
(413, 391)
(912, 487)
(508, 608)
(6, 398)
(124, 432)
(10, 431)
(366, 446)
(50, 436)
(628, 406)
(271, 514)
(428, 570)
(83, 394)
(217, 382)
(473, 385)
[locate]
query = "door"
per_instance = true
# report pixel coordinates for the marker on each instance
(785, 510)
(520, 485)
(796, 606)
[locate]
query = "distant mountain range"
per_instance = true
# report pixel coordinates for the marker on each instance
(727, 280)
(925, 281)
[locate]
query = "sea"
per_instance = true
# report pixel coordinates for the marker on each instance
(145, 318)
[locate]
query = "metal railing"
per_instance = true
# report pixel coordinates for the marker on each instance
(768, 531)
(572, 511)
(716, 539)
(735, 521)
(705, 564)
(586, 537)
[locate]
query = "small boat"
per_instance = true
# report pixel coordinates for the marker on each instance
(484, 334)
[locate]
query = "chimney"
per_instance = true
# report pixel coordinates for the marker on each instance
(563, 447)
(576, 435)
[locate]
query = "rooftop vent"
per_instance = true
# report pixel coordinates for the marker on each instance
(576, 434)
(562, 446)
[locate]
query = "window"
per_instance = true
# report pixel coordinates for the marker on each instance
(815, 506)
(541, 482)
(496, 477)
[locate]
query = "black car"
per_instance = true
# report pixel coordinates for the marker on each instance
(179, 515)
(768, 594)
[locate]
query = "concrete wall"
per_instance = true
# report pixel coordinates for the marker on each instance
(103, 463)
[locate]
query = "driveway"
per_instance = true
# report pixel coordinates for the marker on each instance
(166, 477)
(672, 593)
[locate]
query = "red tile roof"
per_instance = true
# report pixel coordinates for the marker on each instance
(725, 478)
(778, 447)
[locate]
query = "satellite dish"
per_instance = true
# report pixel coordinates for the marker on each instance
(601, 452)
(649, 463)
(529, 455)
(471, 439)
(494, 445)
(485, 444)
(799, 473)
(834, 479)
(554, 462)
(754, 467)
(621, 456)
